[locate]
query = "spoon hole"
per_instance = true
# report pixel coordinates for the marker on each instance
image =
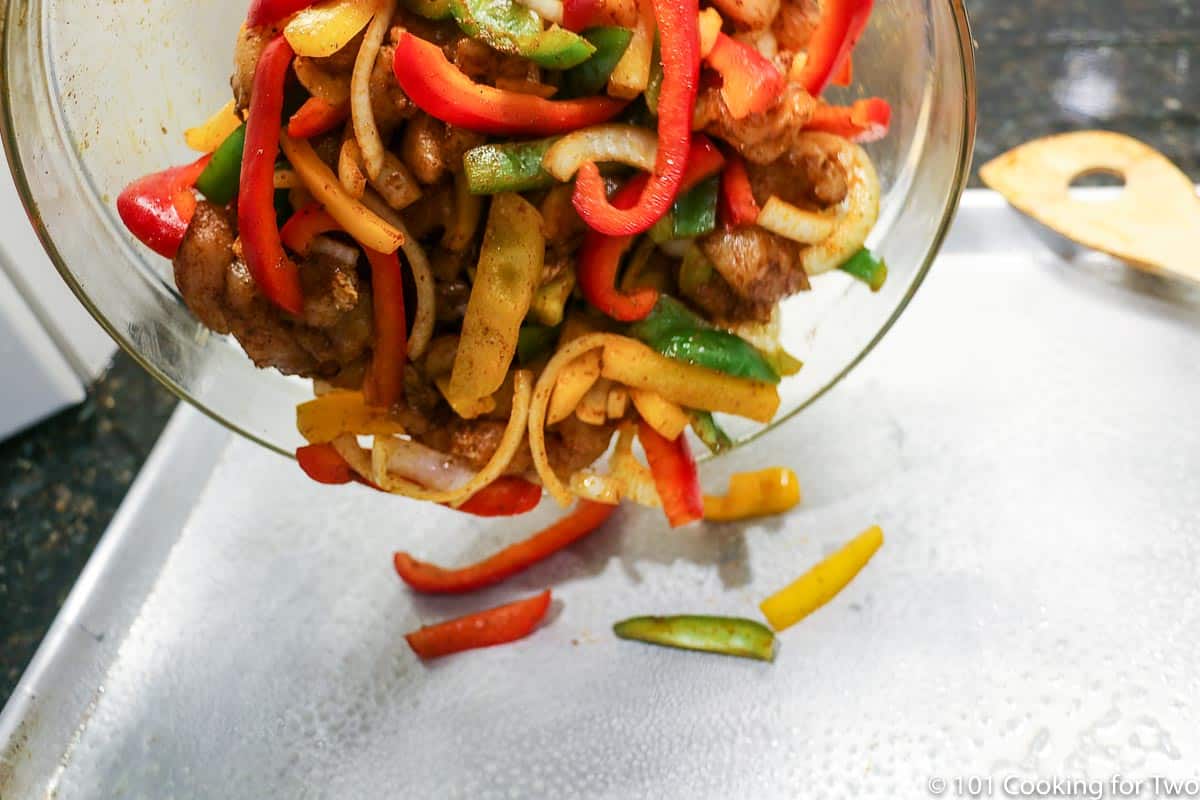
(1110, 181)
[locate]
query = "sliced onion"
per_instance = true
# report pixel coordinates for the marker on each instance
(337, 251)
(624, 144)
(549, 10)
(859, 209)
(424, 465)
(362, 115)
(418, 262)
(795, 223)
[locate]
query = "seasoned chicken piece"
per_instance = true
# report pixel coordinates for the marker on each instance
(247, 49)
(333, 334)
(755, 269)
(794, 24)
(807, 177)
(431, 148)
(571, 445)
(761, 138)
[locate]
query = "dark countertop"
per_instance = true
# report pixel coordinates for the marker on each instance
(1045, 66)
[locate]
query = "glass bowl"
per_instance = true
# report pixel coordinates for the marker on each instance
(97, 93)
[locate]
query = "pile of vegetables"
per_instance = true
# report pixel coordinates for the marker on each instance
(610, 131)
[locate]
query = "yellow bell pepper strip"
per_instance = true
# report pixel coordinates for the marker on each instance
(275, 275)
(634, 364)
(730, 636)
(509, 269)
(367, 227)
(550, 300)
(632, 71)
(821, 584)
(754, 494)
(869, 269)
(208, 136)
(468, 211)
(575, 380)
(443, 91)
(680, 44)
(664, 416)
(710, 29)
(321, 30)
(327, 417)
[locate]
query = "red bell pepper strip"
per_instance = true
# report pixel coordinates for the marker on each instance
(495, 626)
(844, 76)
(391, 329)
(750, 83)
(675, 475)
(600, 261)
(579, 14)
(432, 579)
(324, 464)
(315, 117)
(736, 203)
(442, 90)
(679, 35)
(600, 255)
(865, 121)
(274, 273)
(158, 208)
(305, 225)
(838, 30)
(507, 496)
(268, 12)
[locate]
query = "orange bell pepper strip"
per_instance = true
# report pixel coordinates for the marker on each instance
(750, 84)
(494, 626)
(305, 225)
(864, 121)
(315, 117)
(275, 275)
(432, 579)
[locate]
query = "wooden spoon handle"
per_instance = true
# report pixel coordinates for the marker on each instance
(1154, 224)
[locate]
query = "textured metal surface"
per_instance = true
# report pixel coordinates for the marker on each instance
(1027, 439)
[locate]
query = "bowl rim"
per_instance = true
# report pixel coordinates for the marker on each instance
(962, 171)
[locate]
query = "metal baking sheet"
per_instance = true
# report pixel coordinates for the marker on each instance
(1027, 436)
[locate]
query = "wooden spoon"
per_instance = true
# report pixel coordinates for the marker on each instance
(1154, 224)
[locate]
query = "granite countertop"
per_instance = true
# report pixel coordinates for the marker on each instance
(1045, 66)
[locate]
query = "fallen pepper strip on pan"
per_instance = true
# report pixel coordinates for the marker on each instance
(678, 31)
(730, 636)
(443, 91)
(675, 475)
(754, 494)
(840, 25)
(158, 208)
(275, 275)
(494, 626)
(821, 584)
(865, 121)
(315, 117)
(431, 579)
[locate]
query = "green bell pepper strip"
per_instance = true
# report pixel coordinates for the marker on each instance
(709, 432)
(869, 269)
(591, 76)
(677, 333)
(718, 350)
(693, 214)
(510, 167)
(510, 27)
(219, 181)
(535, 341)
(654, 85)
(731, 636)
(429, 9)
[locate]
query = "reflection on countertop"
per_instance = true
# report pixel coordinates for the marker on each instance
(1045, 66)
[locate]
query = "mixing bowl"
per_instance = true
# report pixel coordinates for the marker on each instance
(98, 92)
